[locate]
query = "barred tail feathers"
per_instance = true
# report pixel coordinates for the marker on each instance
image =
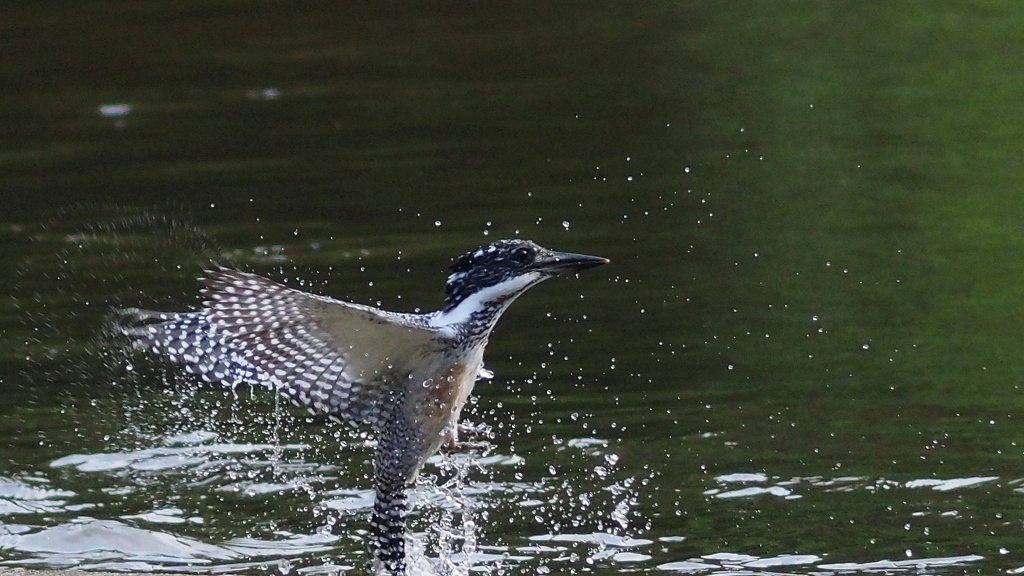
(396, 463)
(387, 529)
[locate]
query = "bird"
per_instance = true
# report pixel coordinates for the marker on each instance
(406, 376)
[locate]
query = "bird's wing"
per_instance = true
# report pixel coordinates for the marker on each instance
(334, 358)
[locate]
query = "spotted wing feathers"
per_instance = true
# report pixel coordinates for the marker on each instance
(334, 358)
(187, 338)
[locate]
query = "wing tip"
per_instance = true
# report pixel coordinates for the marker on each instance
(217, 278)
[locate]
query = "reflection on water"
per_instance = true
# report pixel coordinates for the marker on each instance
(197, 461)
(31, 496)
(111, 545)
(743, 564)
(804, 359)
(790, 488)
(450, 535)
(184, 478)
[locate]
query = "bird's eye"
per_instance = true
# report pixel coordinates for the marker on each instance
(522, 255)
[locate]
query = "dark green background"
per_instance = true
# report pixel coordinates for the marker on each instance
(813, 211)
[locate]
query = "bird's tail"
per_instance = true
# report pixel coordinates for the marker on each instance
(395, 466)
(387, 528)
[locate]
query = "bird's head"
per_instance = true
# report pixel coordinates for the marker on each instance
(490, 277)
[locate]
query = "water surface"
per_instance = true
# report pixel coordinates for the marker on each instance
(803, 359)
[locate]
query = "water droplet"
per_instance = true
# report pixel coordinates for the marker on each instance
(115, 110)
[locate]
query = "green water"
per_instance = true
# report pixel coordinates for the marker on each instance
(803, 358)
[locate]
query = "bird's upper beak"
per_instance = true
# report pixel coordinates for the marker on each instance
(558, 262)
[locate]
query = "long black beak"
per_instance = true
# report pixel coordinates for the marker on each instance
(559, 262)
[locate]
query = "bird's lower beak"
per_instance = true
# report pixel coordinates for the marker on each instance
(559, 262)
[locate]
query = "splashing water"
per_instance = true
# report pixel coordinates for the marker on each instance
(183, 476)
(118, 463)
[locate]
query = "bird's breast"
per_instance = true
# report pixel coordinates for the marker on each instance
(438, 402)
(448, 391)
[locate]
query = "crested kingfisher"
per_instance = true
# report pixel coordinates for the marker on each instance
(406, 376)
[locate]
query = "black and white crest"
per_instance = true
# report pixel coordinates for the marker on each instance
(488, 266)
(485, 281)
